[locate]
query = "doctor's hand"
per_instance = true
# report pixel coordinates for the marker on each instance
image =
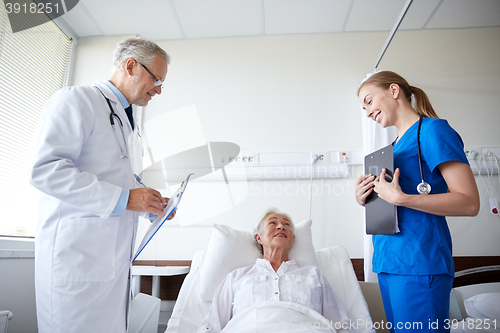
(363, 187)
(165, 205)
(390, 192)
(146, 200)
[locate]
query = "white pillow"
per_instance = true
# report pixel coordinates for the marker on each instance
(484, 306)
(229, 249)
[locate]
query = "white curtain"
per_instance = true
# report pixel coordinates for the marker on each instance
(374, 138)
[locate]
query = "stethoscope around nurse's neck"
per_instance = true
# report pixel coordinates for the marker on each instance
(424, 187)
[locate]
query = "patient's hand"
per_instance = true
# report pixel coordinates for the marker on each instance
(363, 187)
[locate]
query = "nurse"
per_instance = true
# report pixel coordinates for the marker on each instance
(84, 155)
(415, 266)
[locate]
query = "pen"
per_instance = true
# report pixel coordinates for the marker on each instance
(139, 180)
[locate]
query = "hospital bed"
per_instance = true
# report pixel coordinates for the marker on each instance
(5, 316)
(144, 314)
(476, 307)
(229, 249)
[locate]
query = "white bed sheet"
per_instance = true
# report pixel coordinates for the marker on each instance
(189, 309)
(335, 263)
(275, 316)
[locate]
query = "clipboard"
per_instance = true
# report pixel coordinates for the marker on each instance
(158, 222)
(381, 216)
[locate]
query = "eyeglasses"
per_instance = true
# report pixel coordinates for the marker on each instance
(158, 82)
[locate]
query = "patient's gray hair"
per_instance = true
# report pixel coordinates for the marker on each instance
(260, 224)
(143, 51)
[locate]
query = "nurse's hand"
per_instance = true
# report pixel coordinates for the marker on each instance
(363, 187)
(146, 200)
(390, 192)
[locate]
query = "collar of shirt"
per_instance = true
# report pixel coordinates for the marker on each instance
(123, 101)
(285, 266)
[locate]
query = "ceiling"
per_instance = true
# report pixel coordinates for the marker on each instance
(196, 19)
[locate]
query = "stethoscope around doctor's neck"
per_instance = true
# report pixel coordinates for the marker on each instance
(114, 119)
(424, 187)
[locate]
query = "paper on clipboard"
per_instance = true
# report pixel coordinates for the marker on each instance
(158, 222)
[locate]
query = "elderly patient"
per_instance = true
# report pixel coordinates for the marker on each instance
(273, 278)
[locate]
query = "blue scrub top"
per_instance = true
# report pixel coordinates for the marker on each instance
(423, 245)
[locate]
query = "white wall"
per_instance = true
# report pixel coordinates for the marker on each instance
(298, 93)
(17, 285)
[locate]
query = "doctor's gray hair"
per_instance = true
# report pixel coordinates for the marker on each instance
(143, 51)
(260, 224)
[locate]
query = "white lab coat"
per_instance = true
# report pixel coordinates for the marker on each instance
(83, 251)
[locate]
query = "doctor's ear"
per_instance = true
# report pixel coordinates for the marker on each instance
(129, 65)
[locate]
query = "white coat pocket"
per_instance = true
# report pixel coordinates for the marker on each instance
(84, 250)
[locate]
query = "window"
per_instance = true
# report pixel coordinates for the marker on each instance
(34, 64)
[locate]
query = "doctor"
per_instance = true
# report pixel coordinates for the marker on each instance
(84, 154)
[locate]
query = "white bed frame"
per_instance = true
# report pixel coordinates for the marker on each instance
(459, 294)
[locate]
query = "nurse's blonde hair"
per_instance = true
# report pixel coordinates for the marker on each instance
(384, 79)
(142, 50)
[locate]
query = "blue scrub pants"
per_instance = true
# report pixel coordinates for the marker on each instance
(416, 303)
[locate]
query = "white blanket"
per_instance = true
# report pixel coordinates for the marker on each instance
(272, 316)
